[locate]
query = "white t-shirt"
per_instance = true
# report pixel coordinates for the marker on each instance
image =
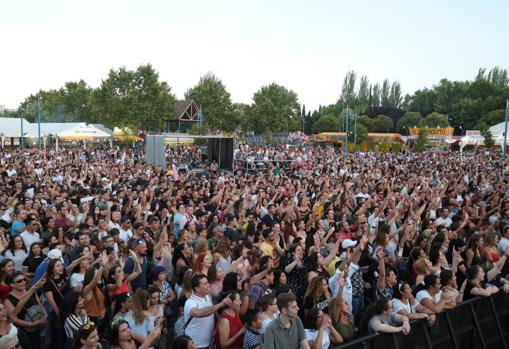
(199, 329)
(312, 334)
(125, 235)
(29, 239)
(446, 222)
(77, 280)
(398, 305)
(421, 295)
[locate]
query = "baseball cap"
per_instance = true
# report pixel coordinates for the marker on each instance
(348, 243)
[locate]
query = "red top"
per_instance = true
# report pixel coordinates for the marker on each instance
(124, 288)
(235, 326)
(4, 291)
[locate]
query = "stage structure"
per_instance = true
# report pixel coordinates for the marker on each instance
(219, 148)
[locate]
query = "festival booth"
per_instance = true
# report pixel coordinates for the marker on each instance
(76, 132)
(439, 138)
(375, 141)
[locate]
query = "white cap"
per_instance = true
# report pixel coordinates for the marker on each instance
(348, 243)
(55, 254)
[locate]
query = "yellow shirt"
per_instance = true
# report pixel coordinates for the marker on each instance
(267, 249)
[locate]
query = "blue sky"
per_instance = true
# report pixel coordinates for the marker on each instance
(307, 46)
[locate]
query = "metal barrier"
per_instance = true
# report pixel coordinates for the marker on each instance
(476, 323)
(261, 165)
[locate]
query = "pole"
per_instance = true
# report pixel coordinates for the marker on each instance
(346, 129)
(505, 129)
(354, 132)
(39, 123)
(21, 140)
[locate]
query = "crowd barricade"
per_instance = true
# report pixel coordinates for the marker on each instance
(261, 165)
(477, 323)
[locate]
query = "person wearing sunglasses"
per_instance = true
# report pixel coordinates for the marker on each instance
(20, 305)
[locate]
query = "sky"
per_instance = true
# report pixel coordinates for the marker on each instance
(306, 46)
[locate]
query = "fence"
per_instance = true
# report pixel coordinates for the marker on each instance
(261, 165)
(260, 140)
(476, 323)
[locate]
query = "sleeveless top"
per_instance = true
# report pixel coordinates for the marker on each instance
(4, 291)
(235, 326)
(95, 306)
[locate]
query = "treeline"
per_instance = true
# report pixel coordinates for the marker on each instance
(140, 100)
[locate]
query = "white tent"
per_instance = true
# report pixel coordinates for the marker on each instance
(498, 130)
(76, 131)
(11, 127)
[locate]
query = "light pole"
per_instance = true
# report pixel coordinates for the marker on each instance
(39, 143)
(504, 155)
(21, 140)
(346, 129)
(354, 132)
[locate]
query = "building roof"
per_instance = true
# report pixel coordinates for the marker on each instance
(187, 111)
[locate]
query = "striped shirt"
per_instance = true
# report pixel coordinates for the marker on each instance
(73, 323)
(252, 339)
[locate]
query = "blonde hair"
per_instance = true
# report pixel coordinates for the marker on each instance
(421, 266)
(140, 304)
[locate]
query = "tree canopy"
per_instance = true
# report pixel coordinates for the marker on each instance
(140, 100)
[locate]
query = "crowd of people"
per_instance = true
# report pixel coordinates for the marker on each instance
(101, 250)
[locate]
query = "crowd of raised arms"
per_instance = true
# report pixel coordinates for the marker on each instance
(101, 250)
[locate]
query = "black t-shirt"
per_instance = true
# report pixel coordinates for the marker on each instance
(321, 303)
(32, 263)
(58, 287)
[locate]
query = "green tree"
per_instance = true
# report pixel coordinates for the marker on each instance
(375, 96)
(423, 101)
(408, 120)
(434, 120)
(215, 101)
(385, 94)
(274, 107)
(366, 121)
(492, 118)
(348, 88)
(488, 137)
(198, 130)
(326, 123)
(362, 134)
(422, 141)
(135, 99)
(382, 123)
(363, 94)
(395, 95)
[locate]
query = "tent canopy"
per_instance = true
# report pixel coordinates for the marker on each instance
(76, 130)
(11, 127)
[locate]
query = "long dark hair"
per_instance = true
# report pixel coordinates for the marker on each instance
(310, 319)
(3, 264)
(68, 306)
(373, 309)
(12, 245)
(114, 332)
(230, 282)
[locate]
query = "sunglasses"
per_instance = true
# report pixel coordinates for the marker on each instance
(19, 281)
(117, 321)
(88, 326)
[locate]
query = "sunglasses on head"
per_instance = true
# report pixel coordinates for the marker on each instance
(88, 326)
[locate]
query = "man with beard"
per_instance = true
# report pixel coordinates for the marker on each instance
(136, 265)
